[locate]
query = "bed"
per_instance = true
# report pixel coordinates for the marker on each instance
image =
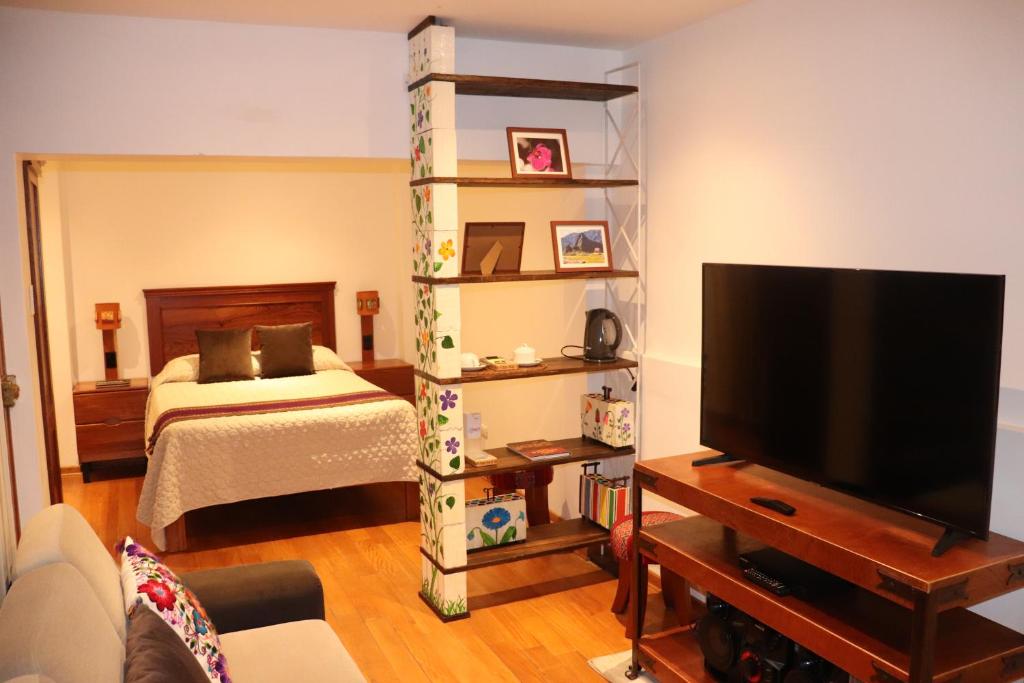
(211, 444)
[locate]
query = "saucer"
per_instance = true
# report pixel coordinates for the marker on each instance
(474, 369)
(530, 365)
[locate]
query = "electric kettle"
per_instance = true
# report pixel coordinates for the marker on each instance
(602, 336)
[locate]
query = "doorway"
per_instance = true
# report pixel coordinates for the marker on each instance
(30, 176)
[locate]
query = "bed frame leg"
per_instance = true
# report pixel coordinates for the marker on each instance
(412, 501)
(176, 536)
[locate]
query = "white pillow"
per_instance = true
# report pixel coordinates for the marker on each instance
(186, 369)
(325, 359)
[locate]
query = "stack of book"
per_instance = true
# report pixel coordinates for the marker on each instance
(538, 450)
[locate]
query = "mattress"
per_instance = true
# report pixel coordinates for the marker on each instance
(197, 463)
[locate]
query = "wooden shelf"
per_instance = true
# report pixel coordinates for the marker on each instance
(547, 183)
(548, 367)
(674, 657)
(580, 450)
(500, 86)
(525, 276)
(858, 631)
(544, 539)
(874, 547)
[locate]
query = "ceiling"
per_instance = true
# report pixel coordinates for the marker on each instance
(593, 23)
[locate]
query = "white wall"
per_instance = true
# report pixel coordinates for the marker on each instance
(851, 133)
(87, 84)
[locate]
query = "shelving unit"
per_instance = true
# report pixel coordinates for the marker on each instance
(903, 616)
(434, 186)
(501, 86)
(548, 367)
(580, 449)
(524, 276)
(533, 183)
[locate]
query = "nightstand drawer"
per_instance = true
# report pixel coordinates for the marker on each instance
(110, 442)
(110, 407)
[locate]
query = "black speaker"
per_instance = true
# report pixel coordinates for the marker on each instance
(718, 638)
(738, 649)
(810, 668)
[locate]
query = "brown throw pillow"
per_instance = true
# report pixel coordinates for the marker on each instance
(155, 654)
(286, 350)
(225, 355)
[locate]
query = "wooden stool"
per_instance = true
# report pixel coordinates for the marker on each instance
(675, 591)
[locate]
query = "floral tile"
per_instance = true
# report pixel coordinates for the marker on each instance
(432, 50)
(432, 106)
(447, 592)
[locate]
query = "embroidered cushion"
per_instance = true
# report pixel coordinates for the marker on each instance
(149, 584)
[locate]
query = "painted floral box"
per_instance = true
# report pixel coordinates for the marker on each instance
(495, 521)
(608, 420)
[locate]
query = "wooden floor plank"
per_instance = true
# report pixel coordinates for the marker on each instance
(542, 618)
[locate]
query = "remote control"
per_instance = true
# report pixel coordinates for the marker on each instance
(761, 579)
(774, 504)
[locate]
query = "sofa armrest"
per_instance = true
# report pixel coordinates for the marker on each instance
(254, 595)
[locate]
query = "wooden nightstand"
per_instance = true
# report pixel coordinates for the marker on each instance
(110, 423)
(389, 374)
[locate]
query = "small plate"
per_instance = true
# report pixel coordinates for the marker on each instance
(530, 365)
(479, 367)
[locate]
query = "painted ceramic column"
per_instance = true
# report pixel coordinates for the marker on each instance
(438, 321)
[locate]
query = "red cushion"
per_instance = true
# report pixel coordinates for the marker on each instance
(622, 531)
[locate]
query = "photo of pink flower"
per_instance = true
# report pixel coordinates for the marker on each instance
(538, 152)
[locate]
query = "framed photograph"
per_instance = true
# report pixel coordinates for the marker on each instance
(581, 245)
(539, 153)
(478, 248)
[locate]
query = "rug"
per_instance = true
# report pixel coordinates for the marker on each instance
(613, 667)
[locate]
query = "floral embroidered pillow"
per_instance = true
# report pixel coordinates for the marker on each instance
(149, 584)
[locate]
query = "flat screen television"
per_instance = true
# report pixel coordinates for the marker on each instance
(881, 384)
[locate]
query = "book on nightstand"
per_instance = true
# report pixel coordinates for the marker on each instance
(538, 449)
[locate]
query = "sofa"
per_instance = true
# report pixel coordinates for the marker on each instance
(64, 620)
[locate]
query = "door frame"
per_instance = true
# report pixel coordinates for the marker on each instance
(7, 446)
(30, 177)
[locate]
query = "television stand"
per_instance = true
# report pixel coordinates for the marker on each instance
(950, 537)
(901, 617)
(716, 460)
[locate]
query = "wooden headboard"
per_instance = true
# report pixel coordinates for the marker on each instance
(174, 315)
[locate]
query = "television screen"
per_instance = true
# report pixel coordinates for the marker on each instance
(881, 384)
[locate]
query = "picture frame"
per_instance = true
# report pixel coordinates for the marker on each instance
(539, 153)
(480, 238)
(581, 246)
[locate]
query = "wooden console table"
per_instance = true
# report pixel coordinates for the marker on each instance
(906, 617)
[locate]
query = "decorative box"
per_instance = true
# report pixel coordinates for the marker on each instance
(495, 520)
(606, 419)
(603, 500)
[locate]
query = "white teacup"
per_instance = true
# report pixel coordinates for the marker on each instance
(525, 355)
(470, 360)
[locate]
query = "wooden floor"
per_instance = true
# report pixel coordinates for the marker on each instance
(535, 620)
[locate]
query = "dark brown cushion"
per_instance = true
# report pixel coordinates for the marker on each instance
(155, 654)
(286, 350)
(225, 355)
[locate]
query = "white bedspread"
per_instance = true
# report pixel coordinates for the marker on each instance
(209, 461)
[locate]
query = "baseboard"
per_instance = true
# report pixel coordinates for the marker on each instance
(69, 471)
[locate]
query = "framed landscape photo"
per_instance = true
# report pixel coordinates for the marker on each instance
(581, 246)
(539, 153)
